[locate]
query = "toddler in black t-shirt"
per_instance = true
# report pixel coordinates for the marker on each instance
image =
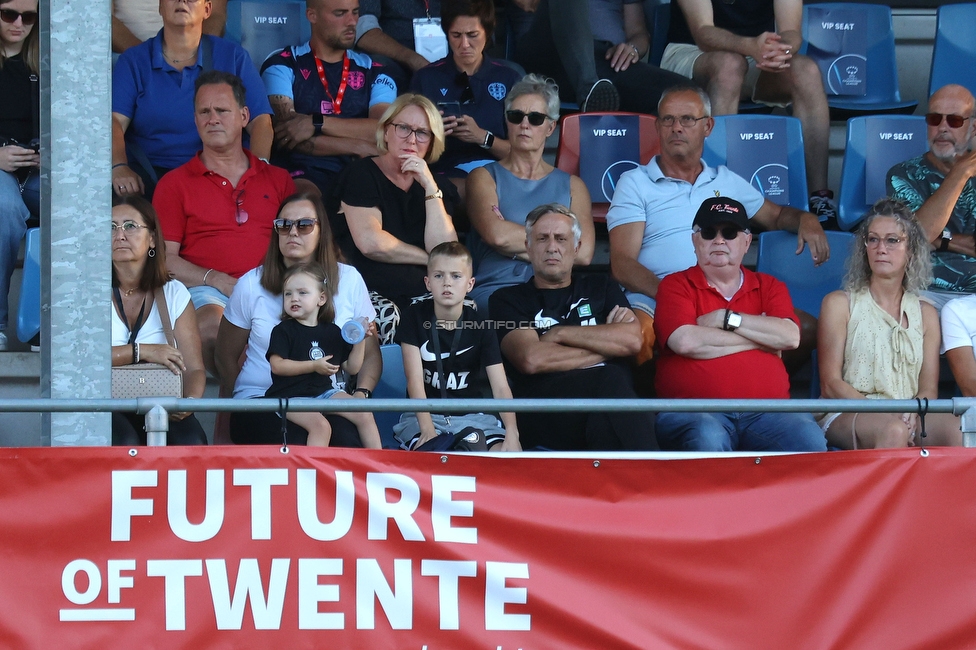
(306, 350)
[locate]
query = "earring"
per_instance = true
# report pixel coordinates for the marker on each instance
(152, 252)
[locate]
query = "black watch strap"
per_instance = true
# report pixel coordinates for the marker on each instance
(317, 121)
(365, 391)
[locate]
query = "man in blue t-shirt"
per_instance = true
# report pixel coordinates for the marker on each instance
(327, 99)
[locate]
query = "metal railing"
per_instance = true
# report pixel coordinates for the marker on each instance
(158, 408)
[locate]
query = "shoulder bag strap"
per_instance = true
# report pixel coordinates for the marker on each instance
(164, 316)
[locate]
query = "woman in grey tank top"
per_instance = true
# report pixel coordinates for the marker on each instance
(501, 194)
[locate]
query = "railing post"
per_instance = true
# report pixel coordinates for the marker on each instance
(157, 425)
(969, 427)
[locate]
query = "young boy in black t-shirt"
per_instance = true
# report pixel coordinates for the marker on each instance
(445, 346)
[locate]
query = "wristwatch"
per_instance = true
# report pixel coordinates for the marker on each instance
(367, 393)
(317, 120)
(732, 321)
(946, 238)
(439, 194)
(489, 140)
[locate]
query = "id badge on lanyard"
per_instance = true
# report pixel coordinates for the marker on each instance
(429, 39)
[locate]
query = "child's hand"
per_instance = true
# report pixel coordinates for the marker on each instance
(323, 367)
(371, 329)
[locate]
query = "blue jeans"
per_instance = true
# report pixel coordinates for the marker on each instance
(14, 213)
(739, 432)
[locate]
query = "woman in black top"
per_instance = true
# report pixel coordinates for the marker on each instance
(19, 115)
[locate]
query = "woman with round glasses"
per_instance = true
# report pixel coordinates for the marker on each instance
(469, 88)
(138, 335)
(878, 340)
(153, 129)
(19, 120)
(301, 235)
(391, 209)
(500, 195)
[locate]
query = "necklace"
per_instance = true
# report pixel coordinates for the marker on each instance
(129, 292)
(172, 60)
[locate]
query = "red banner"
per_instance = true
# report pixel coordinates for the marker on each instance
(254, 548)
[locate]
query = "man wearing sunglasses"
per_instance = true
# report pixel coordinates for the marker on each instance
(721, 329)
(216, 211)
(939, 187)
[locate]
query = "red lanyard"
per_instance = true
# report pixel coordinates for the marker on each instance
(337, 100)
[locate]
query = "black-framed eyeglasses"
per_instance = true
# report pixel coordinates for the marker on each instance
(935, 119)
(127, 227)
(467, 94)
(241, 213)
(303, 226)
(686, 121)
(535, 117)
(711, 232)
(27, 18)
(403, 132)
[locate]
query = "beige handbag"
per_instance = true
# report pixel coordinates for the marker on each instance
(149, 379)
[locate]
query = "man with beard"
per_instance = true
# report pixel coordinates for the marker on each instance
(327, 99)
(939, 187)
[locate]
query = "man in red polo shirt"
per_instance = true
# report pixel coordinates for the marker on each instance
(216, 211)
(721, 330)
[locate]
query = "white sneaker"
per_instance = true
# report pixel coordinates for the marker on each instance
(3, 340)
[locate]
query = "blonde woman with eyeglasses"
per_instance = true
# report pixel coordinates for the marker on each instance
(878, 340)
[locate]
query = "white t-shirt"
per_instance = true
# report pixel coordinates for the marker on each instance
(959, 323)
(140, 16)
(252, 307)
(177, 298)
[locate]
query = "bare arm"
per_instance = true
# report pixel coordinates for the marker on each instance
(582, 207)
(187, 336)
(767, 49)
(934, 213)
(963, 365)
(625, 246)
(292, 368)
(366, 228)
(831, 341)
(531, 355)
(414, 370)
(501, 390)
(805, 224)
(354, 361)
(697, 342)
(231, 342)
(369, 374)
(195, 276)
(466, 129)
(637, 43)
(376, 42)
(122, 36)
(506, 237)
(770, 332)
(124, 179)
(619, 337)
(928, 378)
(340, 136)
(262, 136)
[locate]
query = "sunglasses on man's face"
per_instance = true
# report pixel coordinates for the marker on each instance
(935, 119)
(535, 118)
(304, 226)
(711, 232)
(28, 18)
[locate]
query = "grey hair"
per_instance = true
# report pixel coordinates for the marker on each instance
(918, 272)
(687, 88)
(553, 208)
(534, 84)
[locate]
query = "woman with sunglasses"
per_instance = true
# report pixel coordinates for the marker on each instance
(139, 274)
(878, 340)
(19, 119)
(152, 97)
(390, 210)
(469, 88)
(301, 235)
(500, 195)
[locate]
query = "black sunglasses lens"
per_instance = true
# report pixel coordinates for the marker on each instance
(10, 16)
(536, 119)
(955, 121)
(514, 117)
(711, 232)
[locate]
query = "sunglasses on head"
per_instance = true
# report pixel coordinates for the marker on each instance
(935, 119)
(535, 117)
(10, 16)
(711, 232)
(467, 94)
(304, 226)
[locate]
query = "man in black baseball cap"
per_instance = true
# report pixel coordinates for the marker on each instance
(721, 329)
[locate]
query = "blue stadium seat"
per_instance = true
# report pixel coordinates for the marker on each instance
(29, 313)
(860, 160)
(954, 53)
(392, 385)
(808, 284)
(716, 151)
(261, 39)
(882, 94)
